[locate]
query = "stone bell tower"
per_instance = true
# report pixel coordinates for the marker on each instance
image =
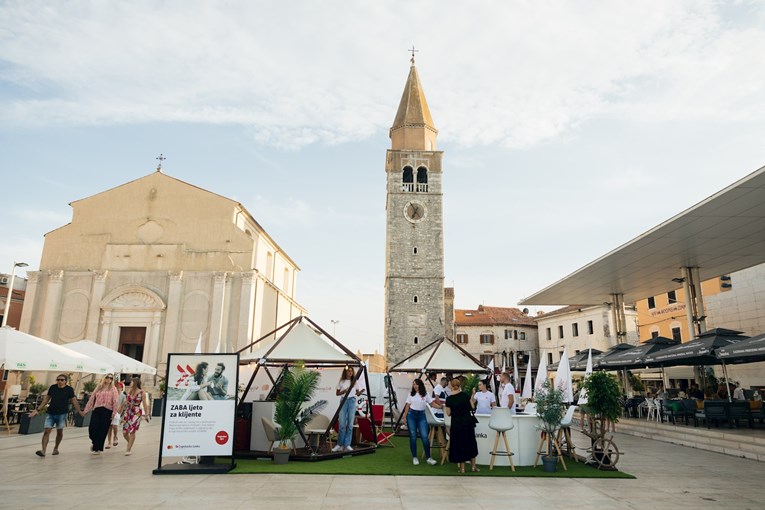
(414, 249)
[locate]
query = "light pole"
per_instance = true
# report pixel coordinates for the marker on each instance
(334, 326)
(10, 291)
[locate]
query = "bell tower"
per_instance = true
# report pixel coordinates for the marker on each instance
(414, 249)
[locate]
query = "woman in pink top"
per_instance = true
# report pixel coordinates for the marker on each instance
(103, 403)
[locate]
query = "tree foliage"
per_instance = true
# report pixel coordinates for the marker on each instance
(603, 395)
(297, 388)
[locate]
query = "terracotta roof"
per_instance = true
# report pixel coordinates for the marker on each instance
(493, 316)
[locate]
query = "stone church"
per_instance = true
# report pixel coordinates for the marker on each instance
(416, 311)
(147, 267)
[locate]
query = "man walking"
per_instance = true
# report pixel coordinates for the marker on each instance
(59, 396)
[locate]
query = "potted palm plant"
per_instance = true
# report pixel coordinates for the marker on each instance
(297, 387)
(550, 412)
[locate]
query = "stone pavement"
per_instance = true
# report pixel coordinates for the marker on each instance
(668, 476)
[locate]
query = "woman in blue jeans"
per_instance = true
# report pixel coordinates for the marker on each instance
(348, 411)
(416, 422)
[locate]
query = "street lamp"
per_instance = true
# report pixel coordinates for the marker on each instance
(334, 326)
(10, 291)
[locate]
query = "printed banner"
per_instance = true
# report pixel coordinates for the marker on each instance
(200, 405)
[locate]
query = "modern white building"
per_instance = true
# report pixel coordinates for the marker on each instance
(149, 266)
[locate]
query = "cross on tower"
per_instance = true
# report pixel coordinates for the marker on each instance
(413, 52)
(161, 158)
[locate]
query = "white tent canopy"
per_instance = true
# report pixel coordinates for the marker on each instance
(121, 364)
(440, 356)
(21, 351)
(301, 342)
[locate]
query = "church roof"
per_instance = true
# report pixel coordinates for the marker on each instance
(493, 316)
(413, 109)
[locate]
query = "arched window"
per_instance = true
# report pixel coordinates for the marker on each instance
(270, 266)
(414, 251)
(422, 180)
(415, 300)
(416, 340)
(407, 179)
(286, 286)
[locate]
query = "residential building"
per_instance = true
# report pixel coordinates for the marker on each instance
(497, 333)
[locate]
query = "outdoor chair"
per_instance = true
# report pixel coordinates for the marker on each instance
(501, 422)
(436, 431)
(318, 426)
(378, 419)
(272, 434)
(565, 431)
(673, 409)
(652, 406)
(739, 411)
(715, 410)
(447, 430)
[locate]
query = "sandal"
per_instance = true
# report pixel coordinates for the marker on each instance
(55, 452)
(107, 447)
(115, 443)
(40, 453)
(475, 470)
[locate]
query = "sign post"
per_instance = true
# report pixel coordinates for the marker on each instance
(199, 413)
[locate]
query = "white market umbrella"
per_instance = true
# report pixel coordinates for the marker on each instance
(491, 374)
(541, 374)
(563, 378)
(527, 383)
(587, 372)
(121, 364)
(21, 351)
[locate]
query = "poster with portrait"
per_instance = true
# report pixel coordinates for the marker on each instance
(200, 405)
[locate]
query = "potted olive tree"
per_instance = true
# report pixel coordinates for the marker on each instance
(603, 408)
(550, 411)
(297, 387)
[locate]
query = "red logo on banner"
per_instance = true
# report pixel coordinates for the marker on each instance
(221, 437)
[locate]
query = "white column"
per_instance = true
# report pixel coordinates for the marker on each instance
(257, 311)
(52, 309)
(94, 312)
(246, 311)
(689, 307)
(151, 349)
(30, 304)
(172, 314)
(700, 313)
(226, 315)
(216, 317)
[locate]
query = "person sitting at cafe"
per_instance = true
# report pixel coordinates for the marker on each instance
(738, 393)
(722, 392)
(696, 392)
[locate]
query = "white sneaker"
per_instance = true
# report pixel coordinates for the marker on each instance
(348, 449)
(337, 448)
(415, 461)
(431, 461)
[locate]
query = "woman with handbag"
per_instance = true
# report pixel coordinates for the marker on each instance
(462, 444)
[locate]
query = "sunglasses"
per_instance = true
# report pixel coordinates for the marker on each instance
(60, 380)
(109, 378)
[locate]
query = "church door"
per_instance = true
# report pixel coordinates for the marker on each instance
(132, 340)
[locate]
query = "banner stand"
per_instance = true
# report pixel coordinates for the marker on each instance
(199, 413)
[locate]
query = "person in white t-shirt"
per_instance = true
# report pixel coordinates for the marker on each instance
(483, 400)
(348, 411)
(507, 395)
(439, 397)
(416, 421)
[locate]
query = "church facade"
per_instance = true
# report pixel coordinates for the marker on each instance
(150, 266)
(414, 258)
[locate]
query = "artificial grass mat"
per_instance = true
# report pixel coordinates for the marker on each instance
(397, 461)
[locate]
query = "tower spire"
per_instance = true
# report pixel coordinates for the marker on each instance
(413, 128)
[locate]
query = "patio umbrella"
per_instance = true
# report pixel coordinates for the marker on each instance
(21, 351)
(635, 357)
(527, 383)
(541, 374)
(699, 351)
(745, 351)
(587, 371)
(563, 378)
(579, 361)
(120, 363)
(616, 349)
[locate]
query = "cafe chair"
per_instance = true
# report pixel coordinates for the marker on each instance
(436, 431)
(272, 434)
(318, 426)
(447, 430)
(378, 418)
(501, 422)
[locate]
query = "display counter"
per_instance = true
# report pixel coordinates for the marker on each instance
(523, 440)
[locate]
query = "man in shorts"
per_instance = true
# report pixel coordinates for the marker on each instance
(58, 398)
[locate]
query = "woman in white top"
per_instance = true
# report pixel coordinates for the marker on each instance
(416, 421)
(348, 411)
(483, 400)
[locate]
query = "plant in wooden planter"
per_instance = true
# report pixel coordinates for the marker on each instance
(550, 411)
(603, 408)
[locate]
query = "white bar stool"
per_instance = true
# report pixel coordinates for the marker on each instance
(501, 421)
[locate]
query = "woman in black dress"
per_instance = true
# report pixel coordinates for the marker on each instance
(462, 444)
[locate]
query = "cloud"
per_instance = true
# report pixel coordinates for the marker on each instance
(508, 73)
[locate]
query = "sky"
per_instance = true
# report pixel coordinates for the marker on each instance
(568, 128)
